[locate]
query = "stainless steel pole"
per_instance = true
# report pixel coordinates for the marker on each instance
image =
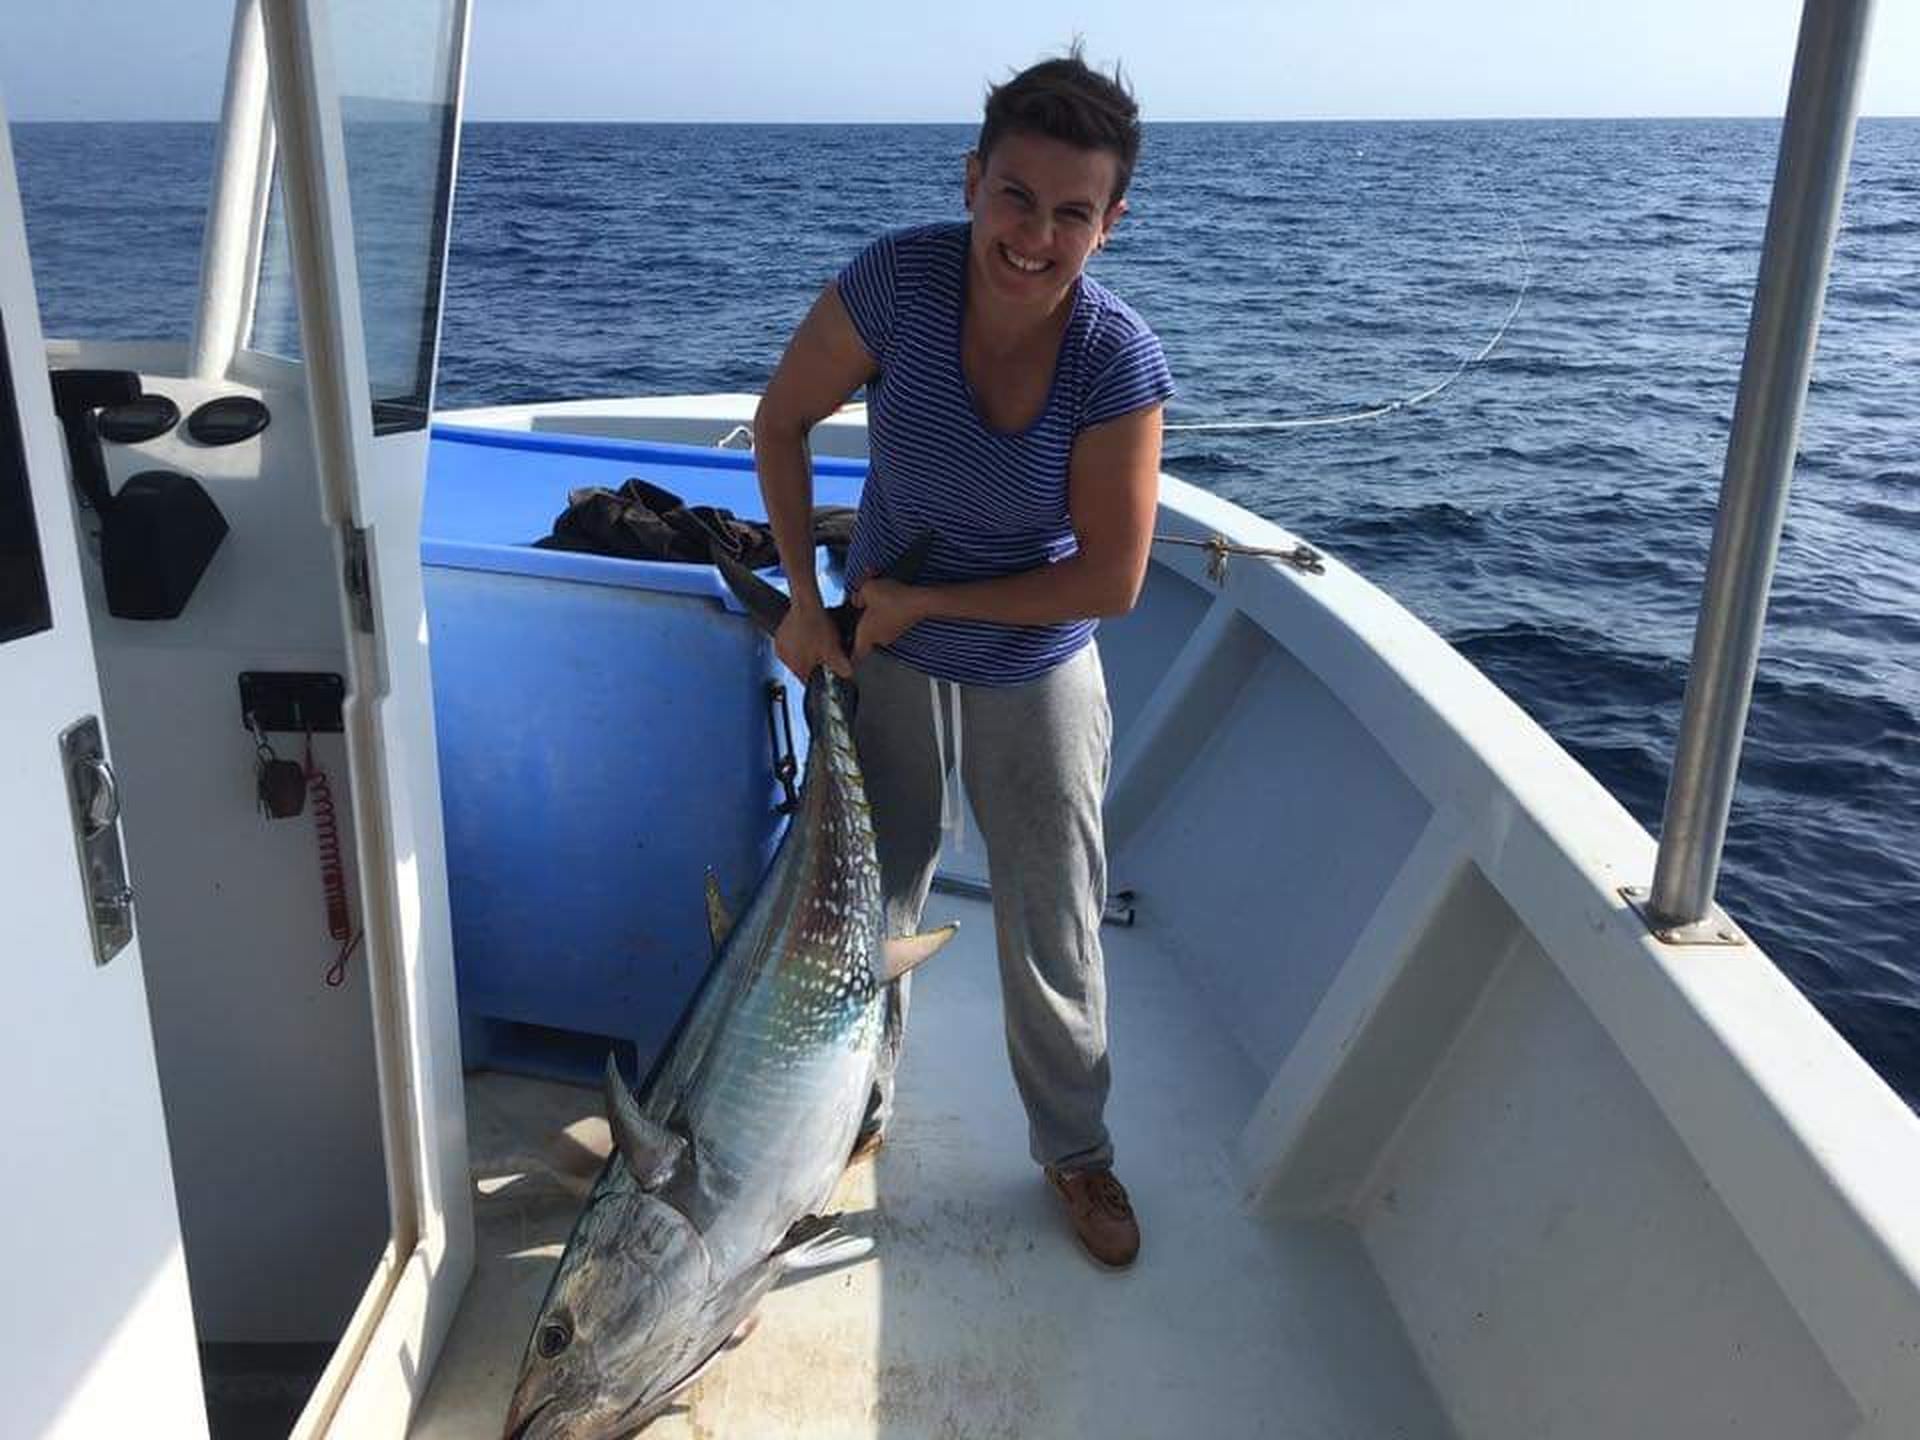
(242, 168)
(1808, 181)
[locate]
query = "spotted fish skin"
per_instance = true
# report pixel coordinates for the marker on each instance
(779, 1092)
(765, 1082)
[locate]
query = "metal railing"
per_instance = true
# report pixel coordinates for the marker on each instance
(1809, 179)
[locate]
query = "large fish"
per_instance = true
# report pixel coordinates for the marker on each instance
(725, 1160)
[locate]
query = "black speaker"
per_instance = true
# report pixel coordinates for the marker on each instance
(156, 539)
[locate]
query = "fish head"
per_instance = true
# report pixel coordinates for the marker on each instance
(620, 1327)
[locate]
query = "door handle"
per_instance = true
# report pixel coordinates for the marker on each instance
(101, 810)
(94, 797)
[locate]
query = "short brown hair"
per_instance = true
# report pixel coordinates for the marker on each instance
(1067, 99)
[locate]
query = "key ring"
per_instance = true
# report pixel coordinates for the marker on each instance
(262, 747)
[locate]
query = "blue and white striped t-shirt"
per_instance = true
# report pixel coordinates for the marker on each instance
(996, 502)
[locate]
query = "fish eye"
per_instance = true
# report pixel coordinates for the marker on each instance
(552, 1339)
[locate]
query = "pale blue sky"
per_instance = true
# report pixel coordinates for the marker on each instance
(1189, 59)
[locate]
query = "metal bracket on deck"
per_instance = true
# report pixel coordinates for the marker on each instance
(1715, 929)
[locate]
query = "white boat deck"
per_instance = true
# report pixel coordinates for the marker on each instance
(979, 1316)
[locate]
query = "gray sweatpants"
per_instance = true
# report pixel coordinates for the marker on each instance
(1034, 761)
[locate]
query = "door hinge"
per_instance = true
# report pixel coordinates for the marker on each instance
(359, 581)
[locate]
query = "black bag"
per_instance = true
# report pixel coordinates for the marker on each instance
(641, 521)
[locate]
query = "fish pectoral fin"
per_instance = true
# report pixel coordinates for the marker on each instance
(818, 1243)
(719, 922)
(903, 952)
(806, 1228)
(649, 1150)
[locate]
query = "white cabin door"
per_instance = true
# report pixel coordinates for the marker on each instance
(366, 105)
(96, 1325)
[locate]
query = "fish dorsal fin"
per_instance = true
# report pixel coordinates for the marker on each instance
(913, 559)
(649, 1150)
(719, 922)
(766, 605)
(903, 952)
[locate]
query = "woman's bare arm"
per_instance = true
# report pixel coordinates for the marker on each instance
(824, 363)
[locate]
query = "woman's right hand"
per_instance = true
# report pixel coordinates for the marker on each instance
(808, 639)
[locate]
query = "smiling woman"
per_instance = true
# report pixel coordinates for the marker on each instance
(1014, 422)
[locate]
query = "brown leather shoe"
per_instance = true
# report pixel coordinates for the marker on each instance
(1102, 1215)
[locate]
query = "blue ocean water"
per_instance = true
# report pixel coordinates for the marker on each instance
(1549, 513)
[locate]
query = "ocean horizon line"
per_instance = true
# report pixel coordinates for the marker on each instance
(1304, 121)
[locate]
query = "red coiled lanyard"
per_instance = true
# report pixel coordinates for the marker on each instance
(333, 874)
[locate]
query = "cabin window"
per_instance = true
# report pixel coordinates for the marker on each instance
(276, 311)
(112, 119)
(23, 579)
(114, 213)
(395, 66)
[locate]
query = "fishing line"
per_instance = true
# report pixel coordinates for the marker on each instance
(1309, 422)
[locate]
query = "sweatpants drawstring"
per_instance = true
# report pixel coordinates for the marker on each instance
(953, 813)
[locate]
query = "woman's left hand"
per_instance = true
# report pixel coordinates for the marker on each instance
(888, 610)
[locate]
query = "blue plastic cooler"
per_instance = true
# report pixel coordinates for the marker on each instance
(604, 739)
